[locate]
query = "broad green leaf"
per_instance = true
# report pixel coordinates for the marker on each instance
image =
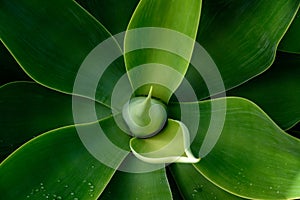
(290, 42)
(171, 144)
(241, 37)
(9, 68)
(147, 185)
(253, 157)
(277, 91)
(167, 43)
(55, 165)
(28, 109)
(50, 40)
(194, 186)
(113, 14)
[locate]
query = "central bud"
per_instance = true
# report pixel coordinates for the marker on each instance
(144, 116)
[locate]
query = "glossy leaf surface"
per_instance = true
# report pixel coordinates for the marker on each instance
(113, 14)
(253, 157)
(147, 185)
(277, 91)
(149, 46)
(29, 109)
(241, 37)
(50, 40)
(193, 185)
(60, 168)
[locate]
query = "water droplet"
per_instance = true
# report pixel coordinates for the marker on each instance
(66, 186)
(91, 186)
(89, 183)
(37, 190)
(41, 184)
(42, 188)
(195, 190)
(72, 193)
(91, 195)
(47, 197)
(59, 197)
(93, 166)
(27, 196)
(75, 198)
(58, 180)
(240, 173)
(84, 181)
(277, 192)
(54, 195)
(91, 190)
(271, 188)
(251, 184)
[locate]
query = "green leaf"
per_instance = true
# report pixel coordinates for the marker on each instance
(31, 109)
(55, 165)
(174, 187)
(290, 42)
(277, 91)
(241, 37)
(9, 68)
(194, 186)
(50, 40)
(113, 14)
(166, 43)
(253, 157)
(171, 144)
(147, 185)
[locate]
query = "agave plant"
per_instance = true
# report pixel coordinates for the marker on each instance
(150, 99)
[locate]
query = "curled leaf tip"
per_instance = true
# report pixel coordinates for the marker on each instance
(170, 145)
(144, 116)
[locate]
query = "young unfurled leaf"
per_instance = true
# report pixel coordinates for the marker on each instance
(170, 145)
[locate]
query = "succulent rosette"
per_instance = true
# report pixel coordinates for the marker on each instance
(150, 99)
